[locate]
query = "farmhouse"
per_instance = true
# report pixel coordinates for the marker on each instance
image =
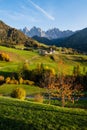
(46, 52)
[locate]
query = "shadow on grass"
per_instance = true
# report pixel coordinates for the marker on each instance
(12, 124)
(8, 74)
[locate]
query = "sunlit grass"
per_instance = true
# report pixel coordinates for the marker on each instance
(6, 89)
(18, 57)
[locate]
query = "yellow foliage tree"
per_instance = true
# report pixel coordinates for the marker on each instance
(19, 93)
(4, 57)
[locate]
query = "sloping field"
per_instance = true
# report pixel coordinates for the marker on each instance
(6, 89)
(25, 115)
(18, 57)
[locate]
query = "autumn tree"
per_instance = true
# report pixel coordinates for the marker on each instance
(19, 93)
(67, 89)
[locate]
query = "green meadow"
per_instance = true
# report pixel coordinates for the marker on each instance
(28, 115)
(18, 57)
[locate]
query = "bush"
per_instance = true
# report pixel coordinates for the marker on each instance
(38, 98)
(7, 80)
(15, 81)
(4, 57)
(28, 82)
(31, 82)
(1, 79)
(21, 80)
(11, 81)
(19, 93)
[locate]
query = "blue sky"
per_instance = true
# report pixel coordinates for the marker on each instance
(46, 14)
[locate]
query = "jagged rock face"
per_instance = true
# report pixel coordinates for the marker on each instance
(36, 32)
(25, 30)
(56, 33)
(50, 34)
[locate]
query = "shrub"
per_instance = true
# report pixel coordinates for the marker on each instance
(4, 57)
(1, 79)
(15, 81)
(38, 98)
(7, 80)
(19, 93)
(11, 81)
(28, 82)
(21, 80)
(31, 82)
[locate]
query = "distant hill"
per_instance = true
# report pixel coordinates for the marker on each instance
(9, 35)
(77, 41)
(49, 42)
(42, 40)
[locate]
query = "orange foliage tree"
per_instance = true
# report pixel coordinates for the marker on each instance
(67, 89)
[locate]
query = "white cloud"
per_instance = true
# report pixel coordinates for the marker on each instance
(42, 10)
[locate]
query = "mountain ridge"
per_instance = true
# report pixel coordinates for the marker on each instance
(50, 34)
(9, 35)
(76, 41)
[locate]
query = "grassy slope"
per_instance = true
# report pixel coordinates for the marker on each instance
(18, 57)
(6, 89)
(24, 115)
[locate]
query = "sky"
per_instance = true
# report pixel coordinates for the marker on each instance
(46, 14)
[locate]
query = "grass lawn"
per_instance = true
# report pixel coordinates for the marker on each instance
(26, 115)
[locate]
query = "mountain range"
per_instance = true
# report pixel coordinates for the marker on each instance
(50, 34)
(12, 36)
(78, 41)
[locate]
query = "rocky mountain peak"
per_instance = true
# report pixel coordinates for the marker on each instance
(50, 34)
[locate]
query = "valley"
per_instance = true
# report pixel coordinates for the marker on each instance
(41, 85)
